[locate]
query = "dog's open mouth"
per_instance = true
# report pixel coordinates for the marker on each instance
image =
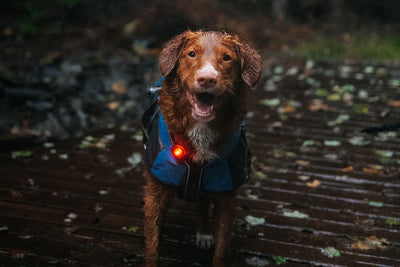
(202, 105)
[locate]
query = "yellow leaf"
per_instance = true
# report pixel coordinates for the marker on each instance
(289, 109)
(119, 87)
(348, 169)
(372, 171)
(113, 105)
(314, 184)
(371, 243)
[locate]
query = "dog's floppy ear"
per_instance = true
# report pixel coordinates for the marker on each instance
(251, 63)
(170, 54)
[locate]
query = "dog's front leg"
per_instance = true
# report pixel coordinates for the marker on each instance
(223, 219)
(204, 237)
(157, 198)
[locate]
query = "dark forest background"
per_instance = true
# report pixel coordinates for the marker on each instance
(72, 66)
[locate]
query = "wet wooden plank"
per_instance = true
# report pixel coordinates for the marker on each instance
(347, 206)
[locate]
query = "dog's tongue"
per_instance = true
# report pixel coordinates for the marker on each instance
(204, 104)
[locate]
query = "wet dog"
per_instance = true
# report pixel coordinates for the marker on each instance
(195, 145)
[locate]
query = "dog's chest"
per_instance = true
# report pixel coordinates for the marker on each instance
(203, 139)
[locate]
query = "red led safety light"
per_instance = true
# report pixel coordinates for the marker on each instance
(178, 151)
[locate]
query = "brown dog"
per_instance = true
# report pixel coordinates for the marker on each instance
(195, 146)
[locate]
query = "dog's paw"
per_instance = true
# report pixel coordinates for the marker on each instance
(204, 241)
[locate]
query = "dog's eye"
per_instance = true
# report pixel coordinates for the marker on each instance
(192, 54)
(227, 57)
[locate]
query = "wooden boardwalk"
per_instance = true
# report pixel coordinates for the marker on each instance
(321, 193)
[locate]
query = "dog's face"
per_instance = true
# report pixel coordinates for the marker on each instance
(209, 66)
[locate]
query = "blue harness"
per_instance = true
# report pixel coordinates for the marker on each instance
(226, 172)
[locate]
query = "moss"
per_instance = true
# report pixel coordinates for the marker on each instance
(374, 47)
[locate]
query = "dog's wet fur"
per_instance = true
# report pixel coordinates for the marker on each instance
(208, 76)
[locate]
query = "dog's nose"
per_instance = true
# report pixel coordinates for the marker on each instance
(207, 79)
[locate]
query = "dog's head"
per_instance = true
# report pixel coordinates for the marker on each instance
(209, 67)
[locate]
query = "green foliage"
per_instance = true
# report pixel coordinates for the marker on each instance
(366, 46)
(279, 260)
(36, 11)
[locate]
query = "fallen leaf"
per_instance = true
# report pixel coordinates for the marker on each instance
(393, 221)
(314, 184)
(360, 108)
(48, 144)
(393, 103)
(290, 154)
(20, 154)
(249, 194)
(135, 159)
(330, 252)
(274, 102)
(371, 243)
(270, 86)
(72, 216)
(369, 69)
(113, 105)
(278, 260)
(381, 72)
(251, 220)
(372, 171)
(292, 71)
(321, 92)
(384, 153)
(332, 143)
(394, 83)
(288, 109)
(317, 105)
(377, 204)
(384, 160)
(339, 120)
(347, 88)
(348, 169)
(130, 229)
(385, 136)
(260, 175)
(359, 76)
(63, 156)
(119, 87)
(308, 143)
(302, 162)
(278, 70)
(303, 177)
(359, 140)
(295, 214)
(334, 97)
(256, 261)
(363, 94)
(130, 27)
